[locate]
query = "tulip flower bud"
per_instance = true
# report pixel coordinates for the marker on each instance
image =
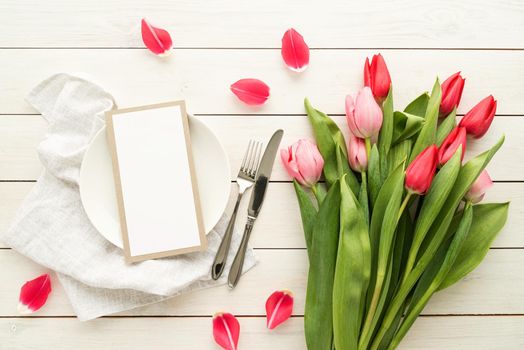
(363, 114)
(455, 139)
(451, 93)
(421, 171)
(357, 156)
(478, 120)
(376, 76)
(303, 162)
(479, 187)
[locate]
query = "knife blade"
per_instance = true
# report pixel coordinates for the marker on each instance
(255, 203)
(264, 173)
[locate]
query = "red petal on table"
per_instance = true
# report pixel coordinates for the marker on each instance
(157, 40)
(226, 330)
(33, 294)
(295, 51)
(251, 91)
(279, 307)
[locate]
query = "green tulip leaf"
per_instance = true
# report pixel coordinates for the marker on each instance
(427, 135)
(446, 126)
(405, 126)
(399, 154)
(318, 317)
(332, 146)
(433, 276)
(488, 220)
(418, 106)
(386, 133)
(308, 212)
(374, 175)
(351, 274)
(383, 225)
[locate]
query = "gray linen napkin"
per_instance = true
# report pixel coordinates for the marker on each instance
(52, 228)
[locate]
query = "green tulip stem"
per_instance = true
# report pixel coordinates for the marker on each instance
(404, 205)
(367, 140)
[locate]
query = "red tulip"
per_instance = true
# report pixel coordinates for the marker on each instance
(226, 330)
(363, 114)
(357, 155)
(156, 40)
(279, 307)
(295, 51)
(479, 187)
(451, 93)
(303, 162)
(34, 293)
(376, 76)
(455, 139)
(478, 120)
(421, 171)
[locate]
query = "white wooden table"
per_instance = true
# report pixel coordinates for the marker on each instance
(218, 42)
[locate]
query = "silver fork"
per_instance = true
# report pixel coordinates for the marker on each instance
(245, 179)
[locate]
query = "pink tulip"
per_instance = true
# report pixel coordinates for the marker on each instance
(363, 114)
(421, 171)
(358, 158)
(478, 120)
(455, 139)
(451, 93)
(479, 187)
(376, 76)
(303, 162)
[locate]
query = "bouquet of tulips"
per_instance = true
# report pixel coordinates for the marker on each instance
(398, 217)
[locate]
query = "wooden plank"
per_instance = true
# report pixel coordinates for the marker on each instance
(203, 77)
(429, 333)
(494, 288)
(231, 23)
(279, 224)
(22, 134)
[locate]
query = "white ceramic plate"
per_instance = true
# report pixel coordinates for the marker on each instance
(97, 187)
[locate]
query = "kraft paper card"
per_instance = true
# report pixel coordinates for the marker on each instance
(155, 181)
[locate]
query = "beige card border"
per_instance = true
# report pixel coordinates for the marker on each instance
(110, 133)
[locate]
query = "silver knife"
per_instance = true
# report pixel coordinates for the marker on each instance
(255, 203)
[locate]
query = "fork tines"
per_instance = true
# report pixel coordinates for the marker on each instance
(251, 158)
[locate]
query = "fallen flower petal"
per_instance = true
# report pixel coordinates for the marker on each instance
(295, 51)
(251, 91)
(33, 294)
(226, 330)
(156, 40)
(279, 307)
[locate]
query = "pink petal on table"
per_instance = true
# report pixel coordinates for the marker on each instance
(251, 91)
(156, 40)
(279, 307)
(33, 294)
(295, 51)
(226, 330)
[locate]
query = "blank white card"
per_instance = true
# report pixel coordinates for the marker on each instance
(155, 181)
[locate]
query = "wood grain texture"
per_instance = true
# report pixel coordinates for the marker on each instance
(21, 135)
(234, 23)
(279, 224)
(495, 287)
(428, 333)
(202, 77)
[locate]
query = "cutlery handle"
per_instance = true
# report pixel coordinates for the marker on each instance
(222, 252)
(236, 268)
